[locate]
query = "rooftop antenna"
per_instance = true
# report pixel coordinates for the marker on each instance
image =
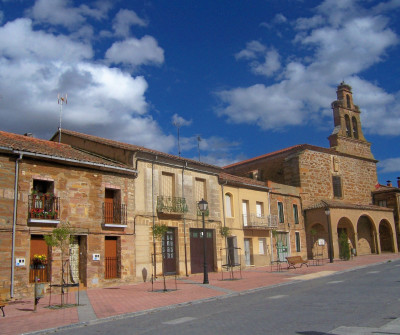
(178, 125)
(61, 101)
(198, 145)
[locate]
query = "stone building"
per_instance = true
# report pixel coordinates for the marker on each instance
(335, 185)
(167, 191)
(389, 196)
(46, 184)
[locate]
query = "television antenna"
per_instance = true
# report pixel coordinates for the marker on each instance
(61, 101)
(198, 145)
(178, 125)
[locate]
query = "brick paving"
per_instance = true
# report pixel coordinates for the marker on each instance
(108, 302)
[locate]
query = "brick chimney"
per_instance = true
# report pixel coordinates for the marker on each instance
(389, 183)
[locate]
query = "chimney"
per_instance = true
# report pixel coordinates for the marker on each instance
(398, 182)
(389, 183)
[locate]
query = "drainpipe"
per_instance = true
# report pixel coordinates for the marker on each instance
(184, 222)
(152, 209)
(14, 224)
(270, 233)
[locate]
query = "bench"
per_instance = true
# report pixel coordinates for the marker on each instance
(293, 260)
(2, 305)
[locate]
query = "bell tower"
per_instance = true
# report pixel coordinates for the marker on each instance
(347, 136)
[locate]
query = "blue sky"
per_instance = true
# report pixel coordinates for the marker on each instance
(248, 77)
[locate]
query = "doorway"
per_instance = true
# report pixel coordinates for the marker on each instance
(197, 250)
(169, 252)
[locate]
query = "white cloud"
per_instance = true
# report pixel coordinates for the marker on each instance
(136, 52)
(61, 12)
(389, 165)
(341, 40)
(180, 121)
(35, 66)
(124, 20)
(279, 18)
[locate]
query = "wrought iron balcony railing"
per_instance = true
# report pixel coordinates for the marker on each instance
(114, 214)
(255, 221)
(43, 207)
(171, 205)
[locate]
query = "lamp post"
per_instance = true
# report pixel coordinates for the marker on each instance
(328, 217)
(203, 207)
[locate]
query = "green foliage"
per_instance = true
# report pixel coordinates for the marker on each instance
(313, 232)
(225, 231)
(159, 230)
(60, 236)
(344, 246)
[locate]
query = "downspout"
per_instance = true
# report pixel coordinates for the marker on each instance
(152, 209)
(184, 222)
(14, 224)
(271, 238)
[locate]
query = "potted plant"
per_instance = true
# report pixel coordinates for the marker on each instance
(39, 261)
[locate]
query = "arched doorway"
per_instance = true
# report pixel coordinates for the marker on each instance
(345, 228)
(386, 236)
(317, 242)
(366, 233)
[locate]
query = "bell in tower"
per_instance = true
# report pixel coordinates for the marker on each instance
(347, 136)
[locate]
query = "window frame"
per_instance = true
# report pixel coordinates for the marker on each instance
(337, 187)
(295, 214)
(281, 213)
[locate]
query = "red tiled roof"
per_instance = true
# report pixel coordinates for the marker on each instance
(49, 149)
(339, 204)
(294, 148)
(241, 180)
(130, 147)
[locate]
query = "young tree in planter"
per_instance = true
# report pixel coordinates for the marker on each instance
(344, 250)
(61, 238)
(159, 230)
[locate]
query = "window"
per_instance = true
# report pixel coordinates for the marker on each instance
(348, 126)
(168, 189)
(262, 243)
(355, 127)
(337, 186)
(295, 214)
(259, 209)
(43, 186)
(228, 205)
(200, 189)
(114, 211)
(280, 212)
(298, 245)
(245, 210)
(382, 203)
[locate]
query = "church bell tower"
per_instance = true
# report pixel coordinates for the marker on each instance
(347, 136)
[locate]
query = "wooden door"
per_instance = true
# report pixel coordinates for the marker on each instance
(169, 252)
(197, 250)
(111, 257)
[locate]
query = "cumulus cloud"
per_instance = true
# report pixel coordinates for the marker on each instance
(61, 12)
(340, 42)
(124, 20)
(180, 121)
(36, 65)
(390, 165)
(135, 52)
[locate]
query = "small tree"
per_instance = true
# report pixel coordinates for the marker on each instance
(344, 246)
(61, 237)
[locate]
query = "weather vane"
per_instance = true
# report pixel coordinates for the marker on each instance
(61, 101)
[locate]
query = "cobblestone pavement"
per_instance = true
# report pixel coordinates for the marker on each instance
(116, 302)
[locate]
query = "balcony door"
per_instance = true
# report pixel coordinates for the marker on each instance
(245, 207)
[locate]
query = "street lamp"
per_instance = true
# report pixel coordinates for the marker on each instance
(328, 216)
(203, 205)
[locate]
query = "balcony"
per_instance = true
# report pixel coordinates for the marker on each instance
(171, 205)
(43, 208)
(254, 221)
(114, 215)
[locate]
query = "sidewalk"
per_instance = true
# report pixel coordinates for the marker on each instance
(114, 302)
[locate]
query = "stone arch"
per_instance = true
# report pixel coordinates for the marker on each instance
(366, 236)
(348, 125)
(355, 127)
(317, 243)
(348, 101)
(386, 236)
(346, 226)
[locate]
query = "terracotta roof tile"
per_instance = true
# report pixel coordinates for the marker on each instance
(131, 147)
(241, 180)
(344, 205)
(50, 149)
